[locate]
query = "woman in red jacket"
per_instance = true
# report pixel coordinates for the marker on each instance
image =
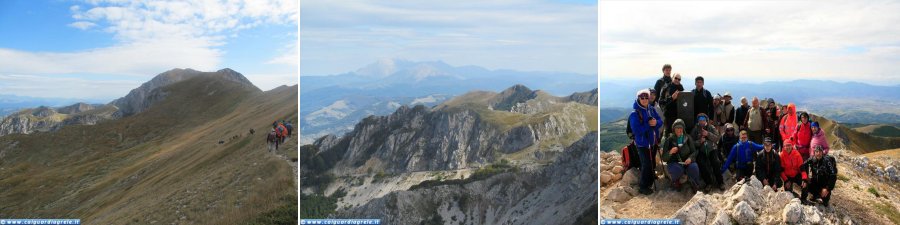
(790, 167)
(803, 136)
(788, 123)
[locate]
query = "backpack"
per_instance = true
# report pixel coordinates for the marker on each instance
(630, 157)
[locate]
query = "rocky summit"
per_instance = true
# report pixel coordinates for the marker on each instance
(478, 158)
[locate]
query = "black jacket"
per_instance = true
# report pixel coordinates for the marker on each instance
(703, 102)
(660, 84)
(821, 172)
(669, 104)
(768, 165)
(740, 116)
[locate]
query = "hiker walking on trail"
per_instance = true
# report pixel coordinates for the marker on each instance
(790, 166)
(282, 132)
(821, 176)
(290, 128)
(668, 98)
(272, 140)
(680, 156)
(743, 152)
(803, 136)
(818, 138)
(705, 137)
(645, 124)
(756, 121)
(768, 165)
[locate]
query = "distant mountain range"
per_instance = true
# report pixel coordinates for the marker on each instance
(13, 103)
(845, 102)
(333, 104)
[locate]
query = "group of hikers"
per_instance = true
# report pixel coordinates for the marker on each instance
(765, 139)
(281, 132)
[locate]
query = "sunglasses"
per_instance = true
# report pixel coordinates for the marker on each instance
(677, 78)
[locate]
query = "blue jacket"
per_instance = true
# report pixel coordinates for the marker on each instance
(644, 135)
(744, 151)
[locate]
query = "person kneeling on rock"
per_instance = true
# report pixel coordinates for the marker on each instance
(768, 165)
(744, 151)
(822, 175)
(680, 156)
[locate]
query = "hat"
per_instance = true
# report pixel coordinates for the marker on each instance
(819, 148)
(702, 116)
(729, 126)
(770, 100)
(788, 142)
(678, 123)
(767, 140)
(652, 91)
(814, 124)
(643, 91)
(727, 94)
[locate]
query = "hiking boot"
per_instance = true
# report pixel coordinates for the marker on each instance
(676, 186)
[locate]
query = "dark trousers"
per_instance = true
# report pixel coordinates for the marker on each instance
(814, 189)
(756, 136)
(795, 181)
(774, 180)
(647, 173)
(709, 168)
(744, 173)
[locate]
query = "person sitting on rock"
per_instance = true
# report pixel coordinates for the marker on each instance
(744, 152)
(728, 140)
(790, 166)
(705, 137)
(680, 156)
(822, 175)
(768, 165)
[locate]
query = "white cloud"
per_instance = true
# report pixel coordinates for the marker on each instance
(67, 87)
(82, 25)
(337, 37)
(765, 40)
(152, 36)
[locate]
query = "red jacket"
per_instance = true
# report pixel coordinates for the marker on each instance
(802, 137)
(788, 123)
(790, 164)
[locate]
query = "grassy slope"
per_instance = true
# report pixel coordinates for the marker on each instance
(159, 165)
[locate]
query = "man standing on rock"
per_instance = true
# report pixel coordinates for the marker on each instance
(645, 124)
(822, 175)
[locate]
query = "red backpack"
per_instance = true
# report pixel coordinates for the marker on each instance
(630, 156)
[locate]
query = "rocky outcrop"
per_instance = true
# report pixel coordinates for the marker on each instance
(44, 119)
(453, 137)
(588, 98)
(886, 172)
(556, 194)
(508, 98)
(751, 203)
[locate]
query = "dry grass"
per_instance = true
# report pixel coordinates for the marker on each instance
(160, 165)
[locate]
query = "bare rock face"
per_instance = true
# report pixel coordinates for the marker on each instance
(555, 194)
(618, 194)
(744, 214)
(699, 210)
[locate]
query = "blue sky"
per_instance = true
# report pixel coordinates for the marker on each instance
(526, 35)
(752, 41)
(101, 49)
